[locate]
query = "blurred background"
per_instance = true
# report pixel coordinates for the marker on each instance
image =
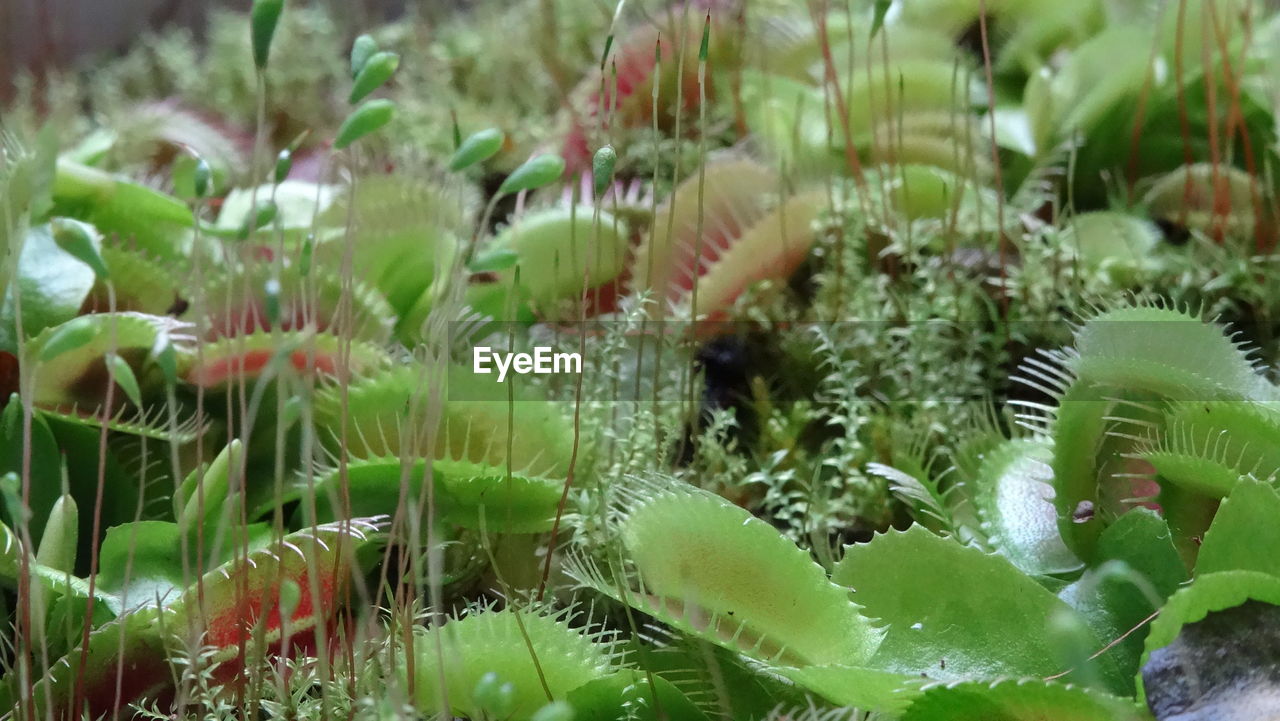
(37, 35)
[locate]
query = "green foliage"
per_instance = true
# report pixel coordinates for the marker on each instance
(537, 652)
(988, 620)
(816, 261)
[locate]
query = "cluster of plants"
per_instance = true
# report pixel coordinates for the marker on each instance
(928, 355)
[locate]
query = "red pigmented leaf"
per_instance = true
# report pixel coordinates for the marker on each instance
(675, 253)
(242, 599)
(635, 60)
(737, 234)
(127, 659)
(248, 357)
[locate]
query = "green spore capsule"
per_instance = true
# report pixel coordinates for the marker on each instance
(477, 148)
(362, 49)
(263, 214)
(284, 164)
(377, 71)
(602, 166)
(263, 20)
(368, 118)
(537, 172)
(123, 375)
(80, 240)
(202, 178)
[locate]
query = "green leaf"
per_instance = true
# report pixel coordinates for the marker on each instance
(484, 641)
(376, 71)
(59, 380)
(1207, 594)
(57, 548)
(1125, 361)
(405, 228)
(866, 688)
(130, 646)
(368, 118)
(75, 333)
(1119, 244)
(263, 19)
(141, 562)
(500, 259)
(228, 605)
(473, 427)
(494, 697)
(1137, 568)
(563, 251)
(45, 463)
(52, 285)
(536, 172)
(206, 488)
(953, 612)
(554, 711)
(1020, 700)
(628, 694)
(87, 471)
(1205, 447)
(713, 570)
(477, 148)
(148, 219)
(239, 601)
(465, 493)
(296, 204)
(1245, 533)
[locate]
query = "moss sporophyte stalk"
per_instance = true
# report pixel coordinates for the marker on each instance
(550, 359)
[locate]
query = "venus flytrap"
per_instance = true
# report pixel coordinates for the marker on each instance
(485, 650)
(465, 492)
(123, 376)
(688, 557)
(1127, 363)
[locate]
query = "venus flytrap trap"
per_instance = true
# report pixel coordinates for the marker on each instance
(465, 492)
(699, 585)
(541, 659)
(1127, 363)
